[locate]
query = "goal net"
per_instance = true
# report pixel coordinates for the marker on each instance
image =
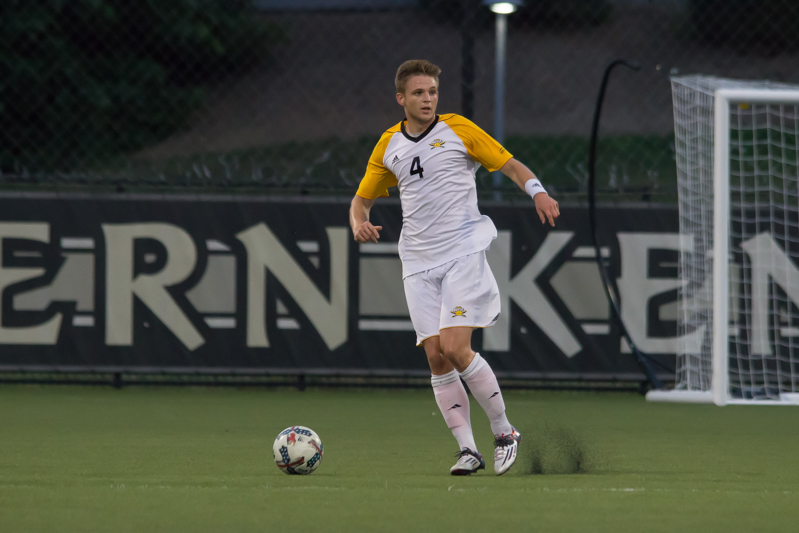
(737, 145)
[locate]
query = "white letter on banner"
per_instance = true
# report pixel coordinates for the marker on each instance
(265, 252)
(524, 291)
(150, 288)
(636, 288)
(46, 333)
(768, 260)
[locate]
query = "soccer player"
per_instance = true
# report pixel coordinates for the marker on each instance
(448, 284)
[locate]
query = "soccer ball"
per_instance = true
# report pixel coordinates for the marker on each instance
(298, 450)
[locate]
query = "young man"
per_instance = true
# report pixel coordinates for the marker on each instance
(448, 284)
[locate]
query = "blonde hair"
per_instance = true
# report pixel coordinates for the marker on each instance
(414, 67)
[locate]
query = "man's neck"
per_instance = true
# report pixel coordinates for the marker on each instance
(415, 128)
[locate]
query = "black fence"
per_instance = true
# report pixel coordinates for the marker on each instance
(289, 97)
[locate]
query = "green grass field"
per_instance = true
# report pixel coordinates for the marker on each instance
(193, 459)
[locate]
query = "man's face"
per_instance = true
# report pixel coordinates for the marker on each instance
(420, 98)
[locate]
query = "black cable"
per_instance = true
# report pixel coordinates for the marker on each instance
(642, 359)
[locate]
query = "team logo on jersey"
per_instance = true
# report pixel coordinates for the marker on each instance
(458, 311)
(438, 143)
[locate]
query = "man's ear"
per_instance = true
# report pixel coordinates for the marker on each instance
(401, 99)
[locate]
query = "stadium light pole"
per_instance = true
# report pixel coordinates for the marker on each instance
(502, 10)
(468, 18)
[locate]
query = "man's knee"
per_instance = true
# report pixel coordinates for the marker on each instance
(438, 363)
(450, 351)
(454, 346)
(459, 354)
(460, 359)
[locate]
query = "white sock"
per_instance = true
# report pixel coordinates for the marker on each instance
(453, 402)
(483, 384)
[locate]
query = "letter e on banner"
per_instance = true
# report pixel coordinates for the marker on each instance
(636, 288)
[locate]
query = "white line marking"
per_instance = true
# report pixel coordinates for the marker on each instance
(220, 322)
(77, 243)
(83, 320)
(287, 323)
(597, 329)
(309, 247)
(311, 487)
(385, 325)
(216, 246)
(380, 248)
(588, 251)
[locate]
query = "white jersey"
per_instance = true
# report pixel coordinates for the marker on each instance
(435, 173)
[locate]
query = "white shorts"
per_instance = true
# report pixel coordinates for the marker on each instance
(461, 293)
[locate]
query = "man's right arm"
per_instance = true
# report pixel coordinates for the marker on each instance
(362, 229)
(375, 183)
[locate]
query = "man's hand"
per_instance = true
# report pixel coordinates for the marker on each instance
(365, 232)
(362, 229)
(547, 208)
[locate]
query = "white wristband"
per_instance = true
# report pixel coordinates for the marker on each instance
(533, 187)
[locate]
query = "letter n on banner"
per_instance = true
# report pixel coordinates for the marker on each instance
(265, 252)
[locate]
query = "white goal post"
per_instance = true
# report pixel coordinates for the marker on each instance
(737, 146)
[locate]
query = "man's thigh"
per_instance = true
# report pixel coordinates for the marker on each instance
(469, 294)
(423, 294)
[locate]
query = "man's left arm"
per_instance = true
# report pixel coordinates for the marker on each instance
(522, 176)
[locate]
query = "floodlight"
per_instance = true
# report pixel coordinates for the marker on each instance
(503, 8)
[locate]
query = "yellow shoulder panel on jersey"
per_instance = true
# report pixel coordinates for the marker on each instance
(480, 145)
(378, 178)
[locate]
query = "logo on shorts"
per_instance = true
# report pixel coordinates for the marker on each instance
(438, 143)
(458, 311)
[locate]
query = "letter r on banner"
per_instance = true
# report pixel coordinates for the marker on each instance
(149, 288)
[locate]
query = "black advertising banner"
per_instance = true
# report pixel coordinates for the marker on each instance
(249, 284)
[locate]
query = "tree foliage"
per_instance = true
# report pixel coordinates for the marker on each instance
(767, 27)
(83, 80)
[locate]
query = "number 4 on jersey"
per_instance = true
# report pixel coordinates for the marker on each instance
(416, 167)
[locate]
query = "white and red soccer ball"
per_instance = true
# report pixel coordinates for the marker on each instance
(298, 450)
